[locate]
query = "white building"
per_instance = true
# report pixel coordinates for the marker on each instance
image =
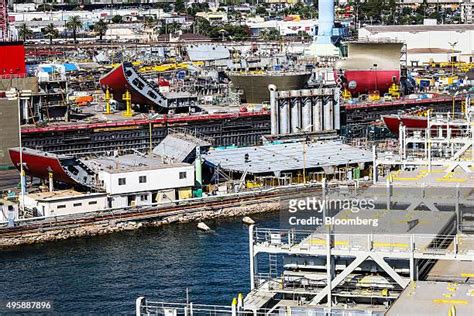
(444, 37)
(135, 180)
(64, 202)
(285, 28)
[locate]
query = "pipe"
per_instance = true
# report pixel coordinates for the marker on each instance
(337, 109)
(198, 167)
(273, 109)
(50, 181)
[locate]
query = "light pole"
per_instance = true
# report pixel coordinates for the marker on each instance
(18, 95)
(452, 54)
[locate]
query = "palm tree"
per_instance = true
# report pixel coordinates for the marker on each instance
(74, 23)
(149, 22)
(25, 32)
(100, 27)
(50, 32)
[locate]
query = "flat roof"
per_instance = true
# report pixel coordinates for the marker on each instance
(62, 195)
(130, 163)
(419, 28)
(286, 157)
(434, 298)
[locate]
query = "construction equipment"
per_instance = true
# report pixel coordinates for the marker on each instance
(374, 96)
(107, 102)
(346, 95)
(127, 97)
(394, 91)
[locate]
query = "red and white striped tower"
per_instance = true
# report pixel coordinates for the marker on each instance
(3, 20)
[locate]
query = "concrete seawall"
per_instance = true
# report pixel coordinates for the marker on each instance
(112, 226)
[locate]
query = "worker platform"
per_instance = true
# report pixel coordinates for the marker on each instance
(366, 262)
(427, 298)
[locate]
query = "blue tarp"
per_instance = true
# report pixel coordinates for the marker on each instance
(70, 67)
(48, 69)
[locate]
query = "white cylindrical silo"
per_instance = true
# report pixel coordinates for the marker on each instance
(317, 102)
(284, 113)
(328, 114)
(306, 110)
(295, 111)
(273, 109)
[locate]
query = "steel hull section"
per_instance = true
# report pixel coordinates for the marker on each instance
(39, 164)
(117, 83)
(255, 87)
(393, 122)
(363, 81)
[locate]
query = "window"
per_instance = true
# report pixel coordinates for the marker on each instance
(121, 181)
(143, 197)
(61, 206)
(142, 179)
(92, 202)
(182, 175)
(77, 204)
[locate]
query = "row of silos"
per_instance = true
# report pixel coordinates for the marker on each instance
(304, 111)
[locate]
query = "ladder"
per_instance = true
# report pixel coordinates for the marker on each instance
(273, 265)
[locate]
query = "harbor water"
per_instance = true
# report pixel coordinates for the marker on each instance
(106, 274)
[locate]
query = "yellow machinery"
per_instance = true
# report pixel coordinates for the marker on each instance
(394, 91)
(346, 95)
(374, 96)
(107, 102)
(127, 97)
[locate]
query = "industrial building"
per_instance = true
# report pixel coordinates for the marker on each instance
(286, 163)
(65, 202)
(451, 37)
(139, 180)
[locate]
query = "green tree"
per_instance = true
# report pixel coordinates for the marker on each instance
(179, 6)
(74, 23)
(100, 28)
(170, 28)
(270, 34)
(24, 32)
(202, 26)
(117, 19)
(51, 32)
(149, 22)
(261, 10)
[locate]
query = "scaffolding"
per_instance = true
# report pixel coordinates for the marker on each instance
(3, 20)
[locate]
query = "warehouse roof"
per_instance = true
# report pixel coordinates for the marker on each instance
(286, 157)
(420, 28)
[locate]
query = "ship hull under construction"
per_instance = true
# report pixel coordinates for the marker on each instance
(393, 122)
(370, 66)
(241, 129)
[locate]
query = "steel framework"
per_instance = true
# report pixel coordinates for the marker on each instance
(3, 20)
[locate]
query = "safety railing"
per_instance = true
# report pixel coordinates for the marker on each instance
(148, 307)
(427, 244)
